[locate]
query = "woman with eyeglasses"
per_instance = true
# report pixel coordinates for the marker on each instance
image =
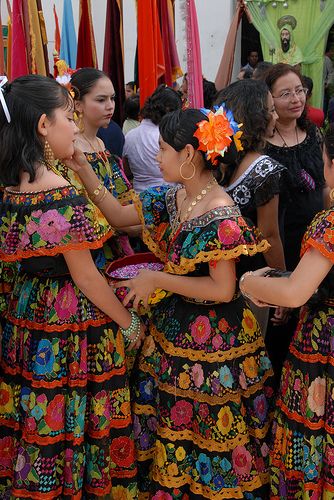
(296, 144)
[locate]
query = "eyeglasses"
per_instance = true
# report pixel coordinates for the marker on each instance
(286, 96)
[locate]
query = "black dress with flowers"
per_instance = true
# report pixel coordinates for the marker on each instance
(65, 420)
(302, 462)
(202, 388)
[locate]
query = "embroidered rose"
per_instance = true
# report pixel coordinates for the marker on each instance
(242, 460)
(55, 413)
(261, 407)
(6, 453)
(316, 396)
(122, 451)
(228, 232)
(66, 302)
(181, 413)
(162, 495)
(201, 329)
(197, 375)
(53, 226)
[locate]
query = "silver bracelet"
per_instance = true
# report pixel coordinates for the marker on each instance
(241, 280)
(133, 328)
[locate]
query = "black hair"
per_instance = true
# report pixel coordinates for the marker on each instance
(308, 82)
(209, 93)
(248, 73)
(132, 107)
(261, 70)
(84, 79)
(178, 128)
(27, 98)
(247, 99)
(329, 141)
(163, 100)
(131, 85)
(282, 69)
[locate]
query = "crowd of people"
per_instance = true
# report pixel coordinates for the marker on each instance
(210, 376)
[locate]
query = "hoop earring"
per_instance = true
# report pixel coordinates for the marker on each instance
(331, 194)
(192, 175)
(48, 154)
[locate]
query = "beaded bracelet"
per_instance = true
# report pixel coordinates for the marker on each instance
(133, 328)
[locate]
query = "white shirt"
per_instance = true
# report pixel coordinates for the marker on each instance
(141, 148)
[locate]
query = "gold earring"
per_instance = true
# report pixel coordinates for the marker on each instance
(192, 175)
(331, 194)
(78, 117)
(48, 154)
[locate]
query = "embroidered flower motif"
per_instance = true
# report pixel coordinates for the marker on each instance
(250, 367)
(181, 413)
(146, 389)
(197, 375)
(6, 398)
(225, 377)
(329, 235)
(120, 493)
(55, 413)
(122, 451)
(249, 322)
(203, 410)
(223, 325)
(180, 454)
(6, 453)
(201, 329)
(172, 469)
(225, 420)
(184, 380)
(162, 495)
(66, 302)
(53, 226)
(261, 407)
(316, 396)
(228, 232)
(44, 357)
(203, 466)
(242, 460)
(23, 465)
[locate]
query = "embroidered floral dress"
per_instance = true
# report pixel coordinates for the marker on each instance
(65, 421)
(109, 170)
(303, 448)
(202, 388)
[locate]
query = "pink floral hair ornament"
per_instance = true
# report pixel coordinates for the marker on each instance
(216, 135)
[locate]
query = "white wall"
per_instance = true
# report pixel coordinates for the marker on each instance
(214, 17)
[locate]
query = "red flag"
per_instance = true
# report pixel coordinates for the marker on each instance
(172, 65)
(86, 55)
(113, 60)
(19, 65)
(151, 61)
(57, 31)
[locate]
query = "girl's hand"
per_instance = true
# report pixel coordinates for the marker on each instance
(140, 288)
(77, 161)
(137, 344)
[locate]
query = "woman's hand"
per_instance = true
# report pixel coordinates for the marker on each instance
(77, 161)
(138, 342)
(140, 288)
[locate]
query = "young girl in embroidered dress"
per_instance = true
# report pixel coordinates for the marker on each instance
(202, 388)
(94, 98)
(65, 419)
(303, 446)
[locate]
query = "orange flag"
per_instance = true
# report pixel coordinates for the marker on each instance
(86, 55)
(151, 63)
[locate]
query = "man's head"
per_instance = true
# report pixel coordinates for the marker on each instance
(253, 58)
(285, 39)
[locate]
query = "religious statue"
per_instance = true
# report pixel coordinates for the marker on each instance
(288, 53)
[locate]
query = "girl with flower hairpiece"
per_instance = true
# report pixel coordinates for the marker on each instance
(65, 417)
(202, 393)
